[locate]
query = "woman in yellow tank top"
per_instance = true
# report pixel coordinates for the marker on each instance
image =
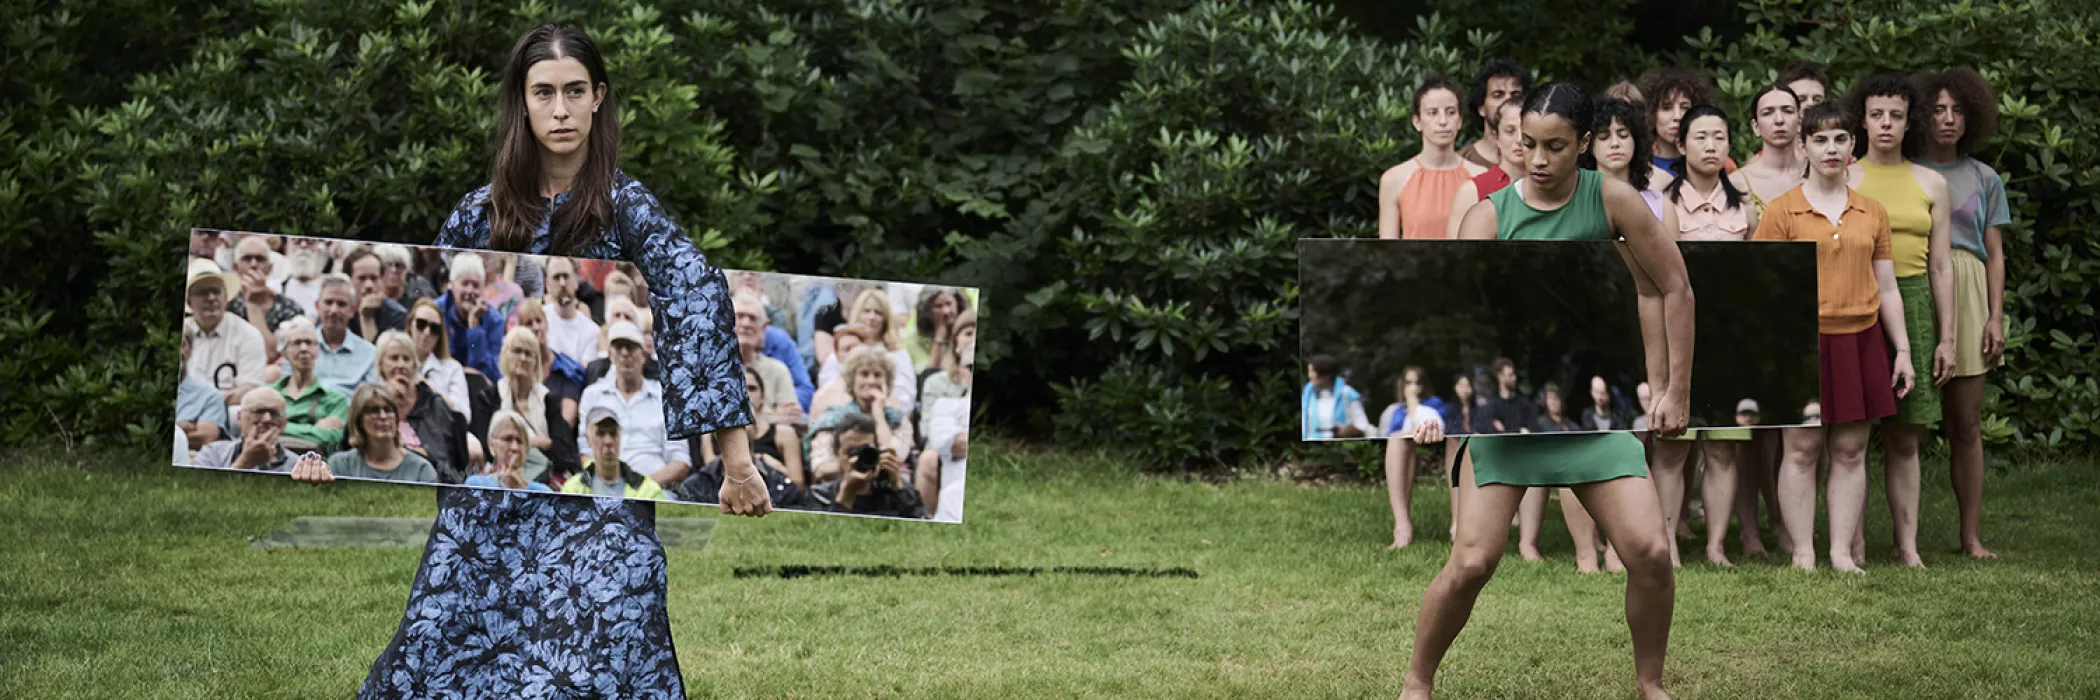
(1414, 202)
(1916, 197)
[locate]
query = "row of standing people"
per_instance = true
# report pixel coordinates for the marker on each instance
(1924, 244)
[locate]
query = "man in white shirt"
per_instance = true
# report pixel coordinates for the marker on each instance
(307, 259)
(225, 352)
(570, 330)
(645, 443)
(779, 383)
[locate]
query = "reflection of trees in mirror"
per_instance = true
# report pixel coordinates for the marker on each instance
(1563, 312)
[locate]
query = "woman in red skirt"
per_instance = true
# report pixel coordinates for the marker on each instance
(1861, 316)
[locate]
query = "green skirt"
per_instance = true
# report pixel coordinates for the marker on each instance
(1922, 405)
(1552, 460)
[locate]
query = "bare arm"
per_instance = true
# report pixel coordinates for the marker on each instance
(1389, 185)
(825, 346)
(1892, 326)
(1479, 222)
(790, 445)
(1656, 256)
(1940, 270)
(1461, 203)
(1994, 278)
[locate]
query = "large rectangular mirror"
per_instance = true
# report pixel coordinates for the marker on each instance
(1543, 336)
(479, 369)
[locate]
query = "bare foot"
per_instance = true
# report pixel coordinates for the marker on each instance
(1402, 537)
(1786, 542)
(1653, 692)
(1754, 548)
(1611, 561)
(1976, 550)
(1529, 552)
(1717, 556)
(1411, 689)
(1910, 559)
(1805, 561)
(1684, 532)
(1847, 566)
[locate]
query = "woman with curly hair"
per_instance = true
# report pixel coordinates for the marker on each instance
(1963, 116)
(1893, 128)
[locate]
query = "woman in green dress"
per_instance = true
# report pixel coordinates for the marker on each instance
(1555, 200)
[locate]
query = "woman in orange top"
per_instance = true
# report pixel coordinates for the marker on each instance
(1414, 202)
(1860, 314)
(1414, 198)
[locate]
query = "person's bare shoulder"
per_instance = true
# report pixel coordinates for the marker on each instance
(1473, 169)
(1480, 222)
(1933, 182)
(1396, 177)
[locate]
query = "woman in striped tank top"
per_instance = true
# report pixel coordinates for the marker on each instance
(1557, 201)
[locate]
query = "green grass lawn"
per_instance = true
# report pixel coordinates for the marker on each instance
(122, 580)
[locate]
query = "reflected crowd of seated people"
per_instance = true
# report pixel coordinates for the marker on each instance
(529, 372)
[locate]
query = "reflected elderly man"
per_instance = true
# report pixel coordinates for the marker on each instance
(258, 448)
(225, 352)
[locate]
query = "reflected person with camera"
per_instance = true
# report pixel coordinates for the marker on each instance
(874, 481)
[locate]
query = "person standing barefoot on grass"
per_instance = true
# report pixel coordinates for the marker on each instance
(1892, 119)
(1860, 314)
(563, 593)
(1964, 115)
(1556, 201)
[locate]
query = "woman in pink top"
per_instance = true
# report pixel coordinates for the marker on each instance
(1415, 197)
(1709, 206)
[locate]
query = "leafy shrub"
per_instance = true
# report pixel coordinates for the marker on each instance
(1125, 178)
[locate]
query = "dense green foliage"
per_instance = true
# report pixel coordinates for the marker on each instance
(1124, 178)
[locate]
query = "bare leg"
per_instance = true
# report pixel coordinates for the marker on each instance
(1685, 514)
(1448, 601)
(1717, 491)
(1772, 450)
(1451, 467)
(1749, 473)
(1631, 517)
(1848, 491)
(1797, 492)
(1962, 409)
(1400, 488)
(1899, 442)
(1582, 529)
(1668, 475)
(1531, 516)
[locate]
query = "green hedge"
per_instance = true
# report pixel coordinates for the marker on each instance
(1124, 177)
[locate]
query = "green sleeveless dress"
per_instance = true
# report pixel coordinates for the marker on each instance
(1554, 460)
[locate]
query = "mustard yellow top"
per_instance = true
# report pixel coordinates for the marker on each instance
(1909, 209)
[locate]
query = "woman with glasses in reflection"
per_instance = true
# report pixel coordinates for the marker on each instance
(376, 451)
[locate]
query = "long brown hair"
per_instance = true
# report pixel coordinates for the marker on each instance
(515, 207)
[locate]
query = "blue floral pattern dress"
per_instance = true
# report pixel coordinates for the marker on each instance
(525, 594)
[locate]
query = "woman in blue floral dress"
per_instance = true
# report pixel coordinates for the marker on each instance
(535, 595)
